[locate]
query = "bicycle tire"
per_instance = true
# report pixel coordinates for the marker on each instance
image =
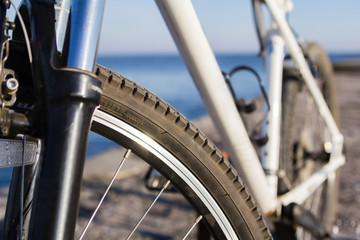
(128, 104)
(216, 191)
(128, 114)
(301, 124)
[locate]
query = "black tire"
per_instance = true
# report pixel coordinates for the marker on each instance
(216, 192)
(144, 113)
(182, 154)
(304, 134)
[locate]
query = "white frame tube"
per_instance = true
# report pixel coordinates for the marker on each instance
(298, 57)
(274, 72)
(308, 187)
(191, 41)
(197, 54)
(304, 190)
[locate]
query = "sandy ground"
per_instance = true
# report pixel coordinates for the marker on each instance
(348, 85)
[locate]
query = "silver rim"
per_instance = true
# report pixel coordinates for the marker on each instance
(173, 163)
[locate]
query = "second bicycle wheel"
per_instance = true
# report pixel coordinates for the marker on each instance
(163, 139)
(305, 139)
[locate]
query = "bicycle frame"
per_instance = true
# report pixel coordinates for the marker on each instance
(63, 159)
(300, 193)
(188, 35)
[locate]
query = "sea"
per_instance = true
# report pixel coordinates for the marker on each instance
(167, 77)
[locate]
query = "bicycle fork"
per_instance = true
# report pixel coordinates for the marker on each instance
(68, 99)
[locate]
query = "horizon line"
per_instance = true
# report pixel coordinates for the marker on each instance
(126, 54)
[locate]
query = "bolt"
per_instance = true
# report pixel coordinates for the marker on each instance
(11, 86)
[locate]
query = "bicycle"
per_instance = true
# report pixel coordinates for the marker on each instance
(61, 94)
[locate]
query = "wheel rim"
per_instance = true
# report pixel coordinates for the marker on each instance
(175, 165)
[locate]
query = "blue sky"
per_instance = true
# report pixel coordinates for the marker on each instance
(136, 26)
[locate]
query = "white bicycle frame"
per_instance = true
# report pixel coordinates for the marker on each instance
(199, 58)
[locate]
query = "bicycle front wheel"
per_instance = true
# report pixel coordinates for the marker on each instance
(166, 141)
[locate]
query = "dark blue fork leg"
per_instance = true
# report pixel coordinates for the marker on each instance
(67, 99)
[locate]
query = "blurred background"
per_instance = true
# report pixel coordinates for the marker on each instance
(135, 42)
(136, 27)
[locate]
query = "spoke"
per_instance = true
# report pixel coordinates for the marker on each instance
(149, 208)
(197, 220)
(126, 155)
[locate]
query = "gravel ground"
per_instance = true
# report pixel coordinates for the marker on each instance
(127, 201)
(348, 85)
